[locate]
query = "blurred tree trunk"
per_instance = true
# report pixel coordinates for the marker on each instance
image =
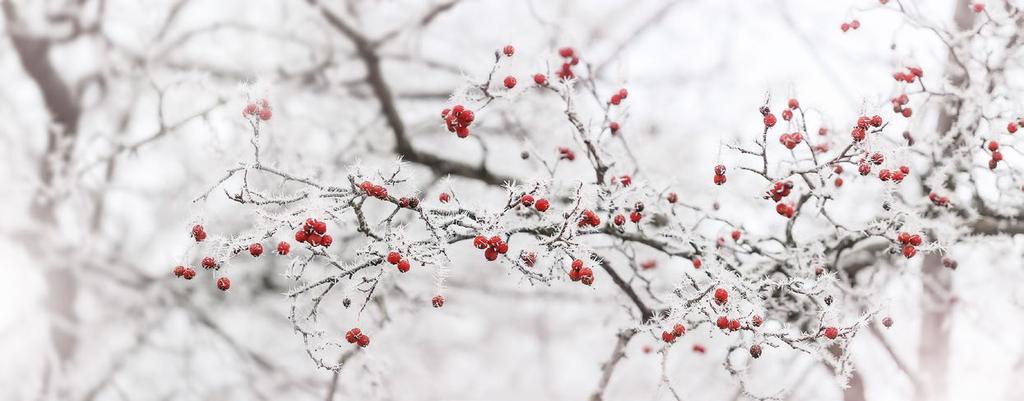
(62, 285)
(936, 280)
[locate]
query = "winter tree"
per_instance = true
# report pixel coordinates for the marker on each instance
(512, 200)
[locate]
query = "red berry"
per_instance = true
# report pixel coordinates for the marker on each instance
(723, 322)
(635, 217)
(769, 120)
(283, 248)
(437, 301)
(855, 24)
(721, 296)
(757, 320)
(831, 333)
(352, 335)
(755, 351)
(265, 114)
(491, 254)
(540, 79)
(993, 146)
(619, 220)
(250, 109)
(326, 241)
(672, 197)
(887, 322)
(616, 99)
(526, 200)
(480, 242)
(678, 330)
(614, 127)
(566, 52)
(978, 7)
(1011, 127)
(667, 337)
(542, 205)
(444, 197)
(363, 341)
(736, 235)
(696, 263)
(907, 112)
(793, 104)
(734, 325)
(209, 263)
(909, 251)
(510, 82)
(179, 271)
(188, 273)
(698, 348)
(403, 265)
(395, 257)
(787, 114)
(845, 27)
(256, 249)
(198, 233)
(509, 50)
(839, 182)
(223, 283)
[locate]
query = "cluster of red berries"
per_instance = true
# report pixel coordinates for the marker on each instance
(846, 26)
(790, 140)
(458, 119)
(185, 272)
(634, 216)
(356, 336)
(768, 117)
(313, 232)
(859, 131)
(395, 258)
(779, 190)
(895, 175)
(725, 323)
(566, 153)
(374, 190)
(581, 273)
(910, 243)
(997, 156)
(909, 76)
(410, 203)
(492, 247)
(786, 210)
(950, 263)
(589, 218)
(618, 97)
(938, 200)
(541, 204)
(198, 233)
(260, 109)
(831, 332)
(670, 336)
(719, 174)
(565, 73)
